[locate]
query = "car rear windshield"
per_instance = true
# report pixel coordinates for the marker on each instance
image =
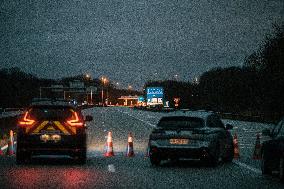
(181, 122)
(50, 113)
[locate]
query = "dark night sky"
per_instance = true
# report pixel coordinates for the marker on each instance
(130, 40)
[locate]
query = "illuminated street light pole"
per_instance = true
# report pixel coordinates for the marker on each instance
(103, 81)
(88, 78)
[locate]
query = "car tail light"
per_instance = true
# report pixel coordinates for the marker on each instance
(26, 121)
(75, 121)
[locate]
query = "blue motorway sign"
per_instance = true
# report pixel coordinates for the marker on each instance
(155, 95)
(140, 99)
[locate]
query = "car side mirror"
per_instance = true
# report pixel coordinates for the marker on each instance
(266, 132)
(89, 118)
(229, 126)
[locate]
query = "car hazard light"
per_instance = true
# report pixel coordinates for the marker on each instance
(26, 121)
(75, 121)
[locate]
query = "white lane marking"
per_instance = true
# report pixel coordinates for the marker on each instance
(149, 116)
(111, 168)
(152, 125)
(246, 144)
(245, 147)
(257, 171)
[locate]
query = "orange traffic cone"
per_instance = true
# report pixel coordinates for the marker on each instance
(257, 149)
(11, 150)
(129, 148)
(109, 146)
(236, 147)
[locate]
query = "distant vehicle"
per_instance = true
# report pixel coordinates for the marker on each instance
(51, 127)
(192, 135)
(272, 151)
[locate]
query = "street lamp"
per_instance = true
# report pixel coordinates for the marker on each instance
(88, 79)
(176, 77)
(87, 76)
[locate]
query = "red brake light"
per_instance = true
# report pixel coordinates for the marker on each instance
(75, 121)
(26, 121)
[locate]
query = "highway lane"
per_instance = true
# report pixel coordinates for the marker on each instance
(123, 172)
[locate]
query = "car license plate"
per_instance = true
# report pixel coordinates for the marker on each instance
(46, 137)
(179, 141)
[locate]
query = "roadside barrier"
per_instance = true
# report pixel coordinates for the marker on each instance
(236, 147)
(129, 148)
(11, 150)
(257, 149)
(109, 146)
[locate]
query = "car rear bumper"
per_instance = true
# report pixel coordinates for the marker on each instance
(70, 144)
(173, 152)
(54, 151)
(200, 150)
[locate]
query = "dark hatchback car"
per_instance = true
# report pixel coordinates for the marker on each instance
(52, 127)
(191, 135)
(272, 151)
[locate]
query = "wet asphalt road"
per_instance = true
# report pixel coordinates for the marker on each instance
(122, 172)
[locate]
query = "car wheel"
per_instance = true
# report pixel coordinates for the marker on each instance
(281, 169)
(265, 166)
(215, 158)
(155, 160)
(22, 157)
(230, 157)
(82, 157)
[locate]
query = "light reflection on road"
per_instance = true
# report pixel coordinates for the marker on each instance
(42, 176)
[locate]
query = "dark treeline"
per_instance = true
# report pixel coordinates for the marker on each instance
(231, 89)
(256, 88)
(18, 88)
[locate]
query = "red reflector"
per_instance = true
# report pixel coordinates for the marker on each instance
(75, 121)
(154, 149)
(26, 121)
